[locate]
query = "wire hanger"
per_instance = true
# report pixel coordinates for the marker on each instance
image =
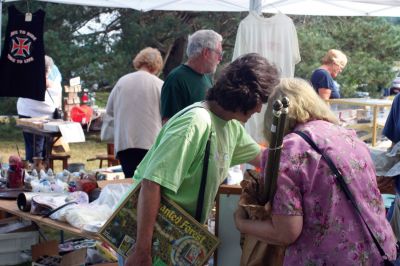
(28, 14)
(255, 7)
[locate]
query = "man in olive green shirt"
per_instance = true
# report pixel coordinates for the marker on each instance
(187, 83)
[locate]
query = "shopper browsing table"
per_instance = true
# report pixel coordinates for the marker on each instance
(173, 166)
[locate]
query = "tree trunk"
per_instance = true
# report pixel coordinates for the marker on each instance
(175, 56)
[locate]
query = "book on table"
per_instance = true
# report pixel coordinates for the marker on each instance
(178, 239)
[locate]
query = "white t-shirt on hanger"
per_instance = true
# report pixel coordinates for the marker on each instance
(275, 38)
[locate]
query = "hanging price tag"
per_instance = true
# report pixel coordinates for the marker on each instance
(28, 17)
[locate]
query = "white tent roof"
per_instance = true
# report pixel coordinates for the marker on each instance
(390, 8)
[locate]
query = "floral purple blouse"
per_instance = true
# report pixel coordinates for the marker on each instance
(333, 233)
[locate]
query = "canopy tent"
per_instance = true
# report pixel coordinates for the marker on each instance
(384, 8)
(389, 8)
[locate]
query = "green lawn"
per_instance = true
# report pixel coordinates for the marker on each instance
(11, 141)
(101, 98)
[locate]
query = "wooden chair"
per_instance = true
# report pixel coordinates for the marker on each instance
(109, 157)
(62, 157)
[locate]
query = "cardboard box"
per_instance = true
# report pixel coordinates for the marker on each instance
(78, 88)
(50, 248)
(14, 224)
(74, 81)
(17, 237)
(36, 122)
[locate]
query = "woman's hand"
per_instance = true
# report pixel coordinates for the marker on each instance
(240, 216)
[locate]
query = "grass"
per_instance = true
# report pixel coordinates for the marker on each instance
(11, 138)
(101, 98)
(11, 141)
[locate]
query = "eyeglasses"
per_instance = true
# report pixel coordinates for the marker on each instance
(219, 53)
(341, 67)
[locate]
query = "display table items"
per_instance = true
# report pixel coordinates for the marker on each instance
(370, 116)
(52, 130)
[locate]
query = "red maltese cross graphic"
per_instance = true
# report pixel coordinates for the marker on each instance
(21, 47)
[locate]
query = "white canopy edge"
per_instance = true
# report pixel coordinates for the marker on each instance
(383, 8)
(389, 8)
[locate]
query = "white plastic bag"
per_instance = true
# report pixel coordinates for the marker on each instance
(90, 217)
(107, 129)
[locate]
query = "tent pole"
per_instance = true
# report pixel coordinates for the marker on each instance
(1, 18)
(256, 6)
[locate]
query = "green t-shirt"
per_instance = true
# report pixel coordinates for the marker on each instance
(183, 87)
(175, 161)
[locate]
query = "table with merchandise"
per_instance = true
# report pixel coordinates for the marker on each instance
(10, 206)
(377, 106)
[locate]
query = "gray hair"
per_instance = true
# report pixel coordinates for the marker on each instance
(202, 39)
(48, 63)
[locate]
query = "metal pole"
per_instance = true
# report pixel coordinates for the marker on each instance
(278, 148)
(1, 18)
(256, 6)
(269, 180)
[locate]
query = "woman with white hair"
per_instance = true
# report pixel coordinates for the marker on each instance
(32, 108)
(134, 103)
(323, 77)
(310, 212)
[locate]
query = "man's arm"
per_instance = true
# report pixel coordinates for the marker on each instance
(256, 162)
(147, 209)
(324, 93)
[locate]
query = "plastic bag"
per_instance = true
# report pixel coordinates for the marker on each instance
(47, 203)
(107, 129)
(90, 217)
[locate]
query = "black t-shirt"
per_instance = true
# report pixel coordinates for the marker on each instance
(22, 71)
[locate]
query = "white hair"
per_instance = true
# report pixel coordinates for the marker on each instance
(202, 39)
(48, 63)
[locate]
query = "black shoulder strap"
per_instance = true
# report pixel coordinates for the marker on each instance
(345, 189)
(50, 96)
(200, 197)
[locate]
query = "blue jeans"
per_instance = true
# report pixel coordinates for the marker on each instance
(30, 151)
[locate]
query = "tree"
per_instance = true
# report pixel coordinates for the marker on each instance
(371, 44)
(103, 55)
